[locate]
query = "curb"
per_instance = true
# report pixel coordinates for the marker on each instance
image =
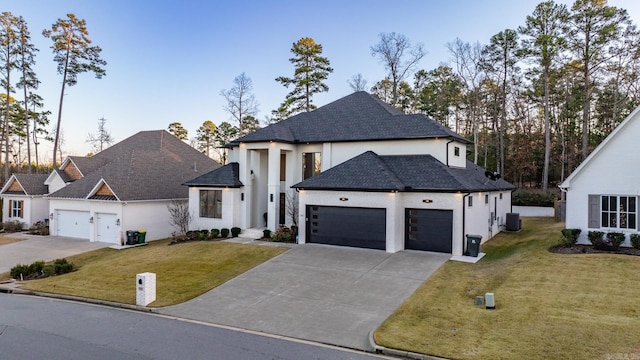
(378, 349)
(18, 291)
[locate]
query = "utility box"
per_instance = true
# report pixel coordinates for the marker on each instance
(145, 288)
(490, 301)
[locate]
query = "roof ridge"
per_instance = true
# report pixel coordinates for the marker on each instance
(388, 170)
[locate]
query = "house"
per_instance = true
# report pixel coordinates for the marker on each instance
(355, 172)
(602, 192)
(128, 186)
(23, 199)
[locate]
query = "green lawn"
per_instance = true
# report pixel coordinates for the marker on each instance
(549, 306)
(182, 271)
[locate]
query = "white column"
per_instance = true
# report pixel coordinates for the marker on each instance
(244, 159)
(273, 187)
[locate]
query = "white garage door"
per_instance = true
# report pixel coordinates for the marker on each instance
(73, 224)
(106, 228)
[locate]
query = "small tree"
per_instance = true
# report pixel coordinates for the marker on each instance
(179, 215)
(102, 138)
(291, 203)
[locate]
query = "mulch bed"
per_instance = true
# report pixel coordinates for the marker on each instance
(588, 249)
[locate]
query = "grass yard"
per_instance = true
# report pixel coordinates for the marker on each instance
(548, 306)
(182, 271)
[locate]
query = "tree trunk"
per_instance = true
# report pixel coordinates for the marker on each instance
(547, 133)
(7, 114)
(64, 82)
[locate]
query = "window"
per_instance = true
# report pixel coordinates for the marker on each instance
(486, 198)
(470, 201)
(283, 167)
(456, 151)
(619, 212)
(311, 165)
(16, 208)
(500, 196)
(211, 204)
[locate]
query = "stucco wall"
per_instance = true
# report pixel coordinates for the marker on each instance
(152, 216)
(230, 210)
(35, 209)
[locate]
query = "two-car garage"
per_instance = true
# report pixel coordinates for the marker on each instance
(425, 229)
(77, 224)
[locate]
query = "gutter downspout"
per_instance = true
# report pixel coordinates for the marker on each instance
(464, 221)
(447, 153)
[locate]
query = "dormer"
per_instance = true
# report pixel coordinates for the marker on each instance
(70, 168)
(456, 154)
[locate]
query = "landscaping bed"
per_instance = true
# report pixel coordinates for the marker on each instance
(589, 249)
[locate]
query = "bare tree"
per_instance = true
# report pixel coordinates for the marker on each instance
(179, 215)
(102, 138)
(241, 102)
(291, 203)
(357, 83)
(398, 57)
(467, 60)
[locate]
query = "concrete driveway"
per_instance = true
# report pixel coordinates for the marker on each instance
(45, 248)
(330, 294)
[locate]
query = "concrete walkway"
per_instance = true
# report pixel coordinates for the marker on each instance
(329, 294)
(45, 248)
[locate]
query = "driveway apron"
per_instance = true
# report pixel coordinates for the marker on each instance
(330, 294)
(45, 248)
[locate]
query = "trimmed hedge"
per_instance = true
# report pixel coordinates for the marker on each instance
(532, 198)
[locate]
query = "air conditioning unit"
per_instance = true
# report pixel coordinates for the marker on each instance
(513, 222)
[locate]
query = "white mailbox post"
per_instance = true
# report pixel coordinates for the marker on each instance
(145, 288)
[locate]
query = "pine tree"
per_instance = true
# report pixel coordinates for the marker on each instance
(311, 70)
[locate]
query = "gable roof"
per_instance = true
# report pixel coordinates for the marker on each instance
(611, 137)
(356, 117)
(372, 172)
(150, 165)
(224, 176)
(31, 184)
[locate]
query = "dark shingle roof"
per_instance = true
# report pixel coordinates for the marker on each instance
(371, 172)
(149, 165)
(224, 176)
(33, 184)
(356, 117)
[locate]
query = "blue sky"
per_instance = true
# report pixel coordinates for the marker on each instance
(169, 60)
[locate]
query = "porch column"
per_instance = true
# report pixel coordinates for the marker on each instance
(244, 159)
(273, 187)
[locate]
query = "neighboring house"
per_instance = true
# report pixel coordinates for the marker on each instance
(128, 186)
(602, 193)
(23, 199)
(355, 172)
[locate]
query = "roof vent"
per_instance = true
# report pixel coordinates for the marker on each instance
(195, 166)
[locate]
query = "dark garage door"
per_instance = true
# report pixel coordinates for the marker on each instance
(347, 226)
(428, 230)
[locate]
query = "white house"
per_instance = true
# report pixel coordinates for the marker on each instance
(23, 199)
(128, 186)
(355, 172)
(602, 192)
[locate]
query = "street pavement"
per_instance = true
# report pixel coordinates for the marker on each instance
(42, 328)
(330, 294)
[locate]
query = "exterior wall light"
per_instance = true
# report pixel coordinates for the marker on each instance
(427, 201)
(91, 220)
(117, 222)
(344, 199)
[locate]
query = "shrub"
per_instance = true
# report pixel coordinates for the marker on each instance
(597, 240)
(635, 240)
(192, 235)
(570, 236)
(62, 266)
(224, 232)
(36, 267)
(532, 198)
(19, 269)
(614, 239)
(39, 228)
(266, 233)
(203, 234)
(294, 230)
(214, 233)
(283, 234)
(12, 226)
(48, 270)
(235, 231)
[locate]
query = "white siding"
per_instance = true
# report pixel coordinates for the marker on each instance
(230, 210)
(35, 209)
(611, 170)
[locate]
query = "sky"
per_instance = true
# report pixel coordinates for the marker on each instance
(168, 61)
